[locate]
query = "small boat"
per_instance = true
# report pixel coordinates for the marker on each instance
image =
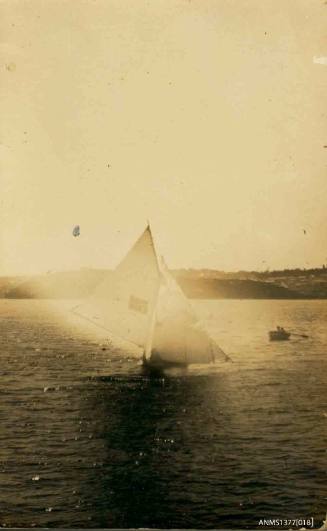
(279, 334)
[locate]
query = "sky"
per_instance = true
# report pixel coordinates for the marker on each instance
(206, 117)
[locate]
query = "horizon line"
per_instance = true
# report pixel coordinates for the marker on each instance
(196, 269)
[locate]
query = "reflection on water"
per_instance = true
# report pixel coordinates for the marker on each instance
(88, 439)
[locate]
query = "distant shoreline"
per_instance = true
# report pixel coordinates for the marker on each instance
(191, 298)
(295, 284)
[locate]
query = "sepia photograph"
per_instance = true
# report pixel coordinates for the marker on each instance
(163, 264)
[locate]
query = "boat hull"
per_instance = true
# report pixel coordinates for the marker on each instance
(155, 362)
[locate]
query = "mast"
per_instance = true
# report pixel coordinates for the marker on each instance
(152, 322)
(153, 310)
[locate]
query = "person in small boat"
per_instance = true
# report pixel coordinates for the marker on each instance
(281, 330)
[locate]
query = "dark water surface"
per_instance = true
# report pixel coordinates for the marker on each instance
(87, 439)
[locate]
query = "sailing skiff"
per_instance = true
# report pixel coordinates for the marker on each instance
(141, 302)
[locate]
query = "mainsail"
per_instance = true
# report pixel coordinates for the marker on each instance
(141, 302)
(123, 303)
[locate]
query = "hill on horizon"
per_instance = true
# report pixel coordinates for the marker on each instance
(202, 283)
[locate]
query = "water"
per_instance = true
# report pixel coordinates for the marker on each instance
(87, 439)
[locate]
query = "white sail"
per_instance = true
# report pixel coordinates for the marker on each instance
(123, 303)
(179, 336)
(141, 302)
